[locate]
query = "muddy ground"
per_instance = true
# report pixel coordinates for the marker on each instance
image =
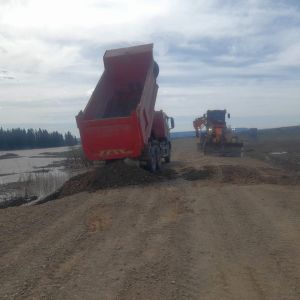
(278, 146)
(216, 228)
(284, 153)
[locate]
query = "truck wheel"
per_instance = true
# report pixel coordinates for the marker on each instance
(158, 159)
(168, 157)
(152, 162)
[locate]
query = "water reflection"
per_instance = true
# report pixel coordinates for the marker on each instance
(36, 172)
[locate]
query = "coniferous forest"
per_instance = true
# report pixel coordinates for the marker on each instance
(18, 138)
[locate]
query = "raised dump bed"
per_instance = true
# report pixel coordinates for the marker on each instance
(117, 120)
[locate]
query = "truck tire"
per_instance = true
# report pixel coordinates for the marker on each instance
(152, 161)
(158, 159)
(168, 157)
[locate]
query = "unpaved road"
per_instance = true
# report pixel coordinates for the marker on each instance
(180, 239)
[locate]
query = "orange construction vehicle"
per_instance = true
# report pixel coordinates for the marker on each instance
(217, 138)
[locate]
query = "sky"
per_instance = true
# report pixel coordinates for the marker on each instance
(243, 56)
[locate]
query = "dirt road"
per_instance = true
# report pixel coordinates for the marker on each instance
(179, 239)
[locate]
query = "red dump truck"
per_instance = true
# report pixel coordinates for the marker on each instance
(119, 120)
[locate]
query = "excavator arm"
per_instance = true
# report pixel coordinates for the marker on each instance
(199, 123)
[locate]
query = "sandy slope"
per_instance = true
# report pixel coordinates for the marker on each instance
(179, 239)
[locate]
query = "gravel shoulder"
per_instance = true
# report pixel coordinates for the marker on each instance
(176, 239)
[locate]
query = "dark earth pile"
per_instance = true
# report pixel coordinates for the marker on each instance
(223, 173)
(240, 175)
(192, 174)
(248, 175)
(16, 201)
(113, 175)
(120, 174)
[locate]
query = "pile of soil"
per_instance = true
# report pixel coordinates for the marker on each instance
(192, 174)
(113, 175)
(120, 174)
(240, 175)
(16, 201)
(248, 175)
(223, 173)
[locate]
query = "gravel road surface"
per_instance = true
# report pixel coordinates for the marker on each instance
(194, 238)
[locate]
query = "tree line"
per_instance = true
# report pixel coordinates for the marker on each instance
(18, 138)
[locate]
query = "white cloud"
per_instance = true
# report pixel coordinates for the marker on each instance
(235, 54)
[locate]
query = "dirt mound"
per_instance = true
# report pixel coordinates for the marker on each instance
(16, 201)
(223, 173)
(113, 175)
(192, 174)
(120, 174)
(248, 175)
(240, 175)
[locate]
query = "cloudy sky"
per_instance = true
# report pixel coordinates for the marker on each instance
(241, 55)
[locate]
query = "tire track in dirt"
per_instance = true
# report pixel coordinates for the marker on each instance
(154, 275)
(279, 260)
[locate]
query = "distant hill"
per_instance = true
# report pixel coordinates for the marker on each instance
(281, 132)
(272, 133)
(291, 132)
(183, 134)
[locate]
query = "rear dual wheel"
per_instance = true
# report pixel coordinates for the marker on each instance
(154, 162)
(168, 157)
(158, 159)
(151, 163)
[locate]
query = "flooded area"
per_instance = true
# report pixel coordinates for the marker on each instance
(35, 172)
(26, 161)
